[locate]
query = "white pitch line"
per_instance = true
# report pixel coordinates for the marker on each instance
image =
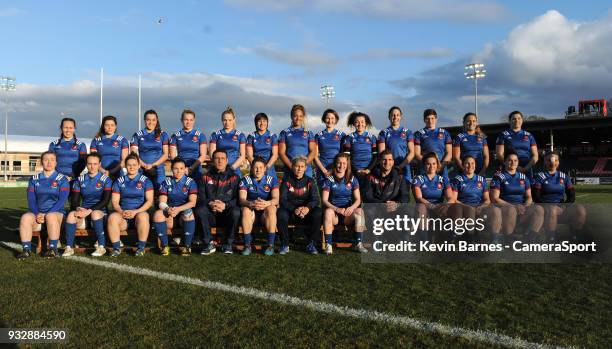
(362, 314)
(582, 195)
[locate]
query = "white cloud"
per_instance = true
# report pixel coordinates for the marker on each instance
(385, 53)
(305, 58)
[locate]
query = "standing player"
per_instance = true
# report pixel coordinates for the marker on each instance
(69, 150)
(47, 194)
(433, 139)
(132, 197)
(258, 196)
(521, 142)
(341, 200)
(263, 143)
(297, 141)
(91, 193)
(400, 141)
(189, 144)
(177, 197)
(151, 145)
(511, 191)
(329, 144)
(362, 146)
(230, 140)
(112, 147)
(471, 142)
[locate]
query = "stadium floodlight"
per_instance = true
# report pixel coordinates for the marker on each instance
(475, 71)
(327, 93)
(7, 84)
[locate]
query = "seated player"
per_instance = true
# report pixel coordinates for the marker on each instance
(258, 197)
(132, 197)
(511, 191)
(47, 194)
(177, 197)
(90, 196)
(299, 204)
(555, 187)
(217, 202)
(341, 199)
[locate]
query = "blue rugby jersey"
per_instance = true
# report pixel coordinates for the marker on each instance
(47, 194)
(471, 145)
(91, 189)
(340, 193)
(132, 191)
(329, 144)
(261, 189)
(432, 140)
(431, 190)
(188, 144)
(512, 188)
(397, 141)
(150, 147)
(362, 146)
(296, 141)
(470, 191)
(262, 145)
(178, 191)
(230, 142)
(109, 149)
(67, 153)
(520, 141)
(552, 186)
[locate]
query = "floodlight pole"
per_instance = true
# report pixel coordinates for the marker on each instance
(475, 71)
(327, 93)
(6, 84)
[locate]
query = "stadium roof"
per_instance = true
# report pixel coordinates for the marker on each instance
(30, 144)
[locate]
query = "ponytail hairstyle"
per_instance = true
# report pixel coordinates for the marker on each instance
(101, 131)
(354, 115)
(157, 126)
(347, 175)
(478, 130)
(62, 125)
(229, 110)
(294, 109)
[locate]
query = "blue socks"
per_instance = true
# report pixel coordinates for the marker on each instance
(98, 225)
(358, 237)
(53, 243)
(328, 238)
(117, 245)
(189, 229)
(248, 238)
(70, 232)
(162, 232)
(271, 238)
(141, 244)
(27, 245)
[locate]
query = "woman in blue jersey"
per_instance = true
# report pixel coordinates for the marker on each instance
(329, 144)
(297, 140)
(177, 198)
(151, 146)
(520, 141)
(91, 193)
(400, 141)
(552, 188)
(362, 146)
(511, 191)
(433, 139)
(341, 200)
(47, 194)
(132, 197)
(258, 196)
(471, 142)
(189, 144)
(232, 141)
(472, 197)
(69, 150)
(112, 147)
(263, 143)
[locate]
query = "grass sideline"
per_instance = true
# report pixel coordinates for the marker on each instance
(566, 305)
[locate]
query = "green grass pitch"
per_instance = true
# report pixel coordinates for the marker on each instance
(567, 305)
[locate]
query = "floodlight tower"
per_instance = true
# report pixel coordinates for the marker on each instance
(327, 93)
(7, 84)
(475, 71)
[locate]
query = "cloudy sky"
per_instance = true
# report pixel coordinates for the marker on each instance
(266, 55)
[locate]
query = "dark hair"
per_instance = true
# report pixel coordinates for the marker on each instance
(430, 155)
(48, 152)
(187, 111)
(347, 174)
(177, 160)
(354, 115)
(467, 157)
(104, 120)
(257, 159)
(94, 155)
(395, 107)
(219, 151)
(132, 156)
(515, 112)
(157, 126)
(508, 153)
(327, 111)
(297, 107)
(384, 153)
(478, 130)
(428, 112)
(551, 153)
(260, 116)
(62, 125)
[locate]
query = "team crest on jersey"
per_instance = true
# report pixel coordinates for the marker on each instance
(440, 135)
(235, 138)
(184, 190)
(525, 138)
(115, 144)
(305, 134)
(561, 181)
(54, 184)
(367, 140)
(522, 182)
(194, 138)
(439, 185)
(268, 140)
(403, 134)
(266, 188)
(99, 185)
(139, 185)
(479, 185)
(336, 137)
(349, 185)
(74, 147)
(157, 138)
(478, 139)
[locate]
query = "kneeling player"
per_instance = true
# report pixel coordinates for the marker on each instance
(177, 197)
(258, 196)
(91, 193)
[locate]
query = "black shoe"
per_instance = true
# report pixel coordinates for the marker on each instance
(52, 253)
(24, 254)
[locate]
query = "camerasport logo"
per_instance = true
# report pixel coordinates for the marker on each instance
(139, 185)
